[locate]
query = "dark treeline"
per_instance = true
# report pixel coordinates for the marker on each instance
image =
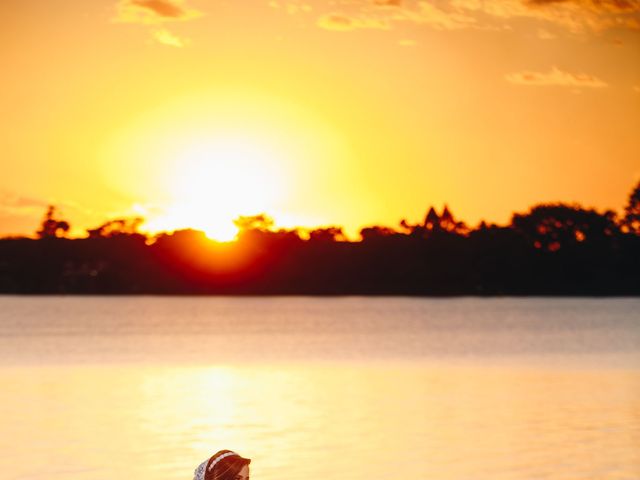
(553, 249)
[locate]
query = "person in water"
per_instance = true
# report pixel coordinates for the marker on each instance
(223, 465)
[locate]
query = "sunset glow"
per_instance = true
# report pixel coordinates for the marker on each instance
(317, 113)
(320, 239)
(214, 181)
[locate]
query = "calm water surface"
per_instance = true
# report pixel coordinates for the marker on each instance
(145, 388)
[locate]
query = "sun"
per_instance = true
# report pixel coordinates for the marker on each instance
(202, 159)
(215, 180)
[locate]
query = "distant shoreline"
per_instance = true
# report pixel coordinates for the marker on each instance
(553, 250)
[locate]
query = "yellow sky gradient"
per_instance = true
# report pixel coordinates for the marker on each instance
(348, 112)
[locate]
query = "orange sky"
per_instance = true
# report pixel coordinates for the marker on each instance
(348, 112)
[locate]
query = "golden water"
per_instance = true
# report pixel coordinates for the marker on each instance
(148, 395)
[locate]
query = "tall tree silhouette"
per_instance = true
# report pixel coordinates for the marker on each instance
(631, 221)
(52, 227)
(431, 220)
(450, 224)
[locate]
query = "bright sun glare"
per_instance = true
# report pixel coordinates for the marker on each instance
(204, 159)
(216, 180)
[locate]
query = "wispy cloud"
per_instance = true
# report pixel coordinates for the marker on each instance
(154, 11)
(438, 17)
(165, 37)
(19, 204)
(384, 14)
(388, 3)
(292, 7)
(162, 8)
(556, 77)
(598, 5)
(16, 206)
(343, 23)
(577, 16)
(545, 35)
(157, 13)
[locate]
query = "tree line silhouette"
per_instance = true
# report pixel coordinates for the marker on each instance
(553, 249)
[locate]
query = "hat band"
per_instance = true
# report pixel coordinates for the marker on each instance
(224, 455)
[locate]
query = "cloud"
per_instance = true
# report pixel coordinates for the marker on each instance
(545, 35)
(383, 14)
(556, 77)
(577, 16)
(345, 23)
(18, 204)
(165, 37)
(388, 3)
(597, 5)
(292, 7)
(596, 15)
(154, 11)
(162, 8)
(436, 17)
(15, 204)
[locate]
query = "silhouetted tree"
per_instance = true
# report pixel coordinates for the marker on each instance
(413, 230)
(52, 227)
(631, 221)
(450, 224)
(375, 232)
(551, 227)
(446, 219)
(254, 222)
(553, 249)
(432, 220)
(327, 234)
(406, 226)
(120, 226)
(437, 223)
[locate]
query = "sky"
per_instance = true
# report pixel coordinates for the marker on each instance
(343, 112)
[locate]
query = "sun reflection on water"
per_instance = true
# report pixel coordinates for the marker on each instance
(319, 421)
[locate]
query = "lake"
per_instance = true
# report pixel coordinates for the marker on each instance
(143, 388)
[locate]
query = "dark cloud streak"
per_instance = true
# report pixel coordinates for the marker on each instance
(602, 5)
(162, 8)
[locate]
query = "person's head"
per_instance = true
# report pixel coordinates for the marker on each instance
(223, 465)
